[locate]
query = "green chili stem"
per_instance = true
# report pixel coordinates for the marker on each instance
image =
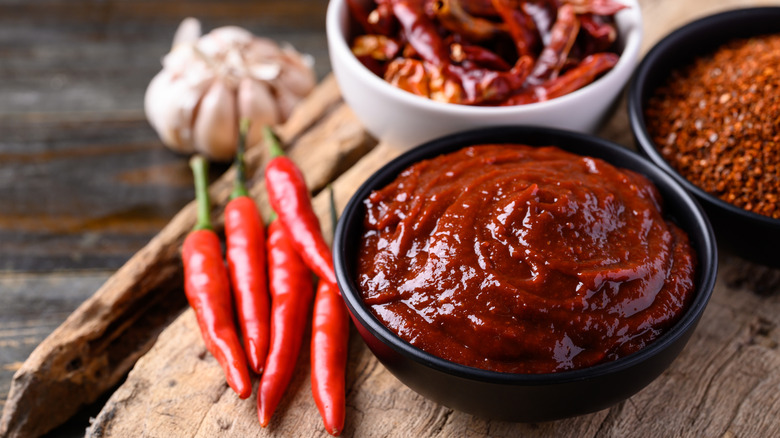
(239, 188)
(273, 142)
(200, 169)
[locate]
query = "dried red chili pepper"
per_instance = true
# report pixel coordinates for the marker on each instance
(329, 342)
(330, 336)
(584, 73)
(374, 51)
(291, 289)
(410, 75)
(478, 55)
(359, 12)
(452, 15)
(207, 288)
(485, 86)
(459, 51)
(245, 242)
(563, 34)
(289, 197)
(378, 21)
(378, 47)
(520, 26)
(482, 8)
(572, 80)
(419, 31)
(599, 7)
(601, 34)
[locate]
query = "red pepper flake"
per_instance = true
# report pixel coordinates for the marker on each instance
(717, 122)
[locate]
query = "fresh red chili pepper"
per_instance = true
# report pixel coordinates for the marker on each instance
(207, 288)
(329, 342)
(330, 336)
(291, 294)
(245, 242)
(289, 197)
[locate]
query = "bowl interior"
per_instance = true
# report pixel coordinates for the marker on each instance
(677, 50)
(679, 207)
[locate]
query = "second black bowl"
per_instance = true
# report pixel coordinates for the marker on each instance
(526, 397)
(750, 235)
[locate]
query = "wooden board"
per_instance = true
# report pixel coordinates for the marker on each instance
(725, 383)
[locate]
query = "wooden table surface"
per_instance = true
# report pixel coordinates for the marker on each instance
(85, 182)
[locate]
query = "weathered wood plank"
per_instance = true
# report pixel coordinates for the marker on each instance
(35, 306)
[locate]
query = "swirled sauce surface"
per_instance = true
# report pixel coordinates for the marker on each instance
(520, 259)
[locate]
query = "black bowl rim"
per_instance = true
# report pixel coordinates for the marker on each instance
(636, 100)
(708, 256)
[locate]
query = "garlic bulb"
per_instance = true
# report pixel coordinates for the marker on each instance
(209, 82)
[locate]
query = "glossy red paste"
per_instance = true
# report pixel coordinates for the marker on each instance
(520, 259)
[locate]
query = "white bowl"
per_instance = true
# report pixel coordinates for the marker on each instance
(406, 120)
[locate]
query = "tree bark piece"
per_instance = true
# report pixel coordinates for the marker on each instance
(101, 340)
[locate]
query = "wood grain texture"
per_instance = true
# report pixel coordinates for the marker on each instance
(35, 306)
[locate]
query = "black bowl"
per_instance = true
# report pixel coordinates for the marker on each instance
(526, 397)
(750, 235)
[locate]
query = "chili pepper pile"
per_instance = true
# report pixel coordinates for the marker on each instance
(487, 52)
(273, 289)
(716, 122)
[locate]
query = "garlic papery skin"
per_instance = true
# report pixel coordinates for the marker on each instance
(209, 82)
(215, 131)
(256, 103)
